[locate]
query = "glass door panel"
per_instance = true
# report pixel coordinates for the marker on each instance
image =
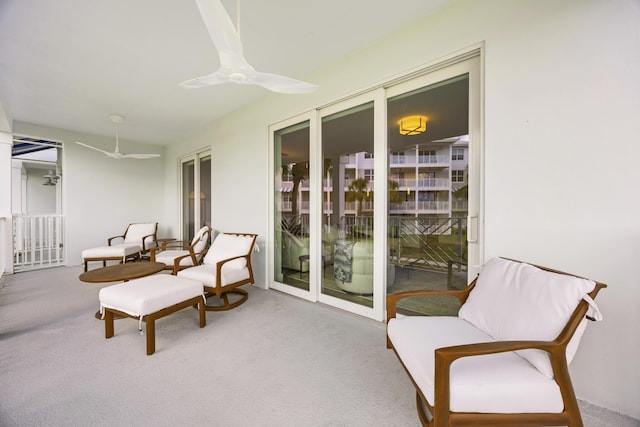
(188, 203)
(291, 200)
(347, 204)
(196, 193)
(429, 128)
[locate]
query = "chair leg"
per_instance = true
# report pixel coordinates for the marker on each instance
(151, 335)
(108, 323)
(227, 305)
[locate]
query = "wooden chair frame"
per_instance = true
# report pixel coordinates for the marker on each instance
(196, 257)
(222, 292)
(444, 357)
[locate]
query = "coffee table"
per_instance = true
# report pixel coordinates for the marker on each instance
(121, 272)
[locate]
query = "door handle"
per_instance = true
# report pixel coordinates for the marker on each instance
(472, 228)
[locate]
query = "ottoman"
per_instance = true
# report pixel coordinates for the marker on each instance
(149, 299)
(120, 252)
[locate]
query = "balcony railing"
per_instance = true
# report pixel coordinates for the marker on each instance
(37, 241)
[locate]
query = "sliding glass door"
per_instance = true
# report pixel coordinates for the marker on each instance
(434, 184)
(291, 214)
(380, 192)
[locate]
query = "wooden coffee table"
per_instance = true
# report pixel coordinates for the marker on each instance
(121, 272)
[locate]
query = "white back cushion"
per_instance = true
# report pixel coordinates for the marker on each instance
(136, 232)
(200, 239)
(517, 301)
(228, 246)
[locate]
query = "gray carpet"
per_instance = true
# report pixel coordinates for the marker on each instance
(274, 361)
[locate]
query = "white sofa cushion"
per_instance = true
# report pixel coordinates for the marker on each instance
(497, 383)
(517, 301)
(147, 295)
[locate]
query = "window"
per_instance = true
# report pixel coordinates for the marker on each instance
(368, 155)
(457, 176)
(457, 154)
(368, 174)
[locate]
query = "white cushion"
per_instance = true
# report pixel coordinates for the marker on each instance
(228, 246)
(497, 383)
(517, 301)
(206, 273)
(136, 232)
(167, 257)
(147, 295)
(120, 250)
(200, 239)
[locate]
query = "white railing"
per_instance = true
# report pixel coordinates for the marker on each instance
(37, 241)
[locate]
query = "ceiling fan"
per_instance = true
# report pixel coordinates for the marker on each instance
(234, 68)
(116, 154)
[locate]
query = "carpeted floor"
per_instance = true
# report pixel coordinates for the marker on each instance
(274, 361)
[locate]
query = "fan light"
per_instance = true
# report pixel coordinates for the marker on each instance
(413, 125)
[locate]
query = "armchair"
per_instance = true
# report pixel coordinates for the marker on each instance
(178, 255)
(225, 267)
(141, 234)
(504, 358)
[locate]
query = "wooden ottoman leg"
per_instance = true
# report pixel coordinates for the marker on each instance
(108, 323)
(151, 335)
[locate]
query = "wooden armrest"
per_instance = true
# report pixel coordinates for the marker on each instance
(219, 265)
(114, 237)
(393, 299)
(144, 249)
(181, 244)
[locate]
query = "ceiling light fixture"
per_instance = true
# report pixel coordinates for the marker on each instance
(413, 125)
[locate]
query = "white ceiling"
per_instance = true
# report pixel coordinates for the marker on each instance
(71, 63)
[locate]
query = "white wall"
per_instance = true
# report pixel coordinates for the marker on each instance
(561, 102)
(101, 196)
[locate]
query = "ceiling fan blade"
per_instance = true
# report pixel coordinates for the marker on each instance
(221, 30)
(281, 84)
(94, 148)
(198, 82)
(234, 67)
(140, 156)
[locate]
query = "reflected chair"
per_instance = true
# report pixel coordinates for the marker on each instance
(504, 359)
(189, 253)
(225, 267)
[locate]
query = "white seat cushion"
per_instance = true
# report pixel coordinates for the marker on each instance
(517, 301)
(168, 256)
(149, 294)
(120, 250)
(497, 383)
(207, 274)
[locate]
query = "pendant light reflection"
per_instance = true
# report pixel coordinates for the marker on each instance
(413, 125)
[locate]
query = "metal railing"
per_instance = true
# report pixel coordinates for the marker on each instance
(37, 241)
(427, 243)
